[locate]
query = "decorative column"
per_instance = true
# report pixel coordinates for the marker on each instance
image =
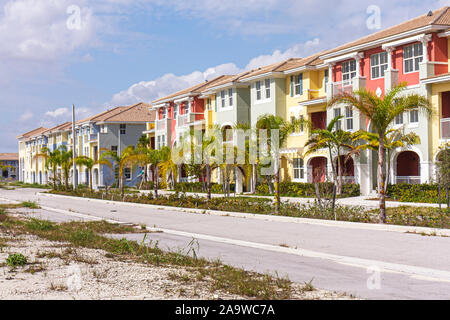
(390, 75)
(330, 81)
(426, 69)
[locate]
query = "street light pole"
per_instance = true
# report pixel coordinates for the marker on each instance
(73, 149)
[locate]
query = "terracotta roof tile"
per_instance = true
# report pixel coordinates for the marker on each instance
(139, 112)
(9, 156)
(32, 133)
(198, 88)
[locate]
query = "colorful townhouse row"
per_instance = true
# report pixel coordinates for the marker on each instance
(415, 52)
(113, 130)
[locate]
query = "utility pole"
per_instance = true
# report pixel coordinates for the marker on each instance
(73, 149)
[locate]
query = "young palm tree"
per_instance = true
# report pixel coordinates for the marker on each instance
(270, 122)
(338, 142)
(169, 169)
(381, 111)
(66, 163)
(395, 138)
(89, 163)
(130, 157)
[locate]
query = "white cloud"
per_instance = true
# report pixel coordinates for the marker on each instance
(57, 113)
(26, 116)
(147, 91)
(37, 29)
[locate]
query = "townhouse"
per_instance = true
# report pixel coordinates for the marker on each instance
(113, 130)
(11, 163)
(414, 52)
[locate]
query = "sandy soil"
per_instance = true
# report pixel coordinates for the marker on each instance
(58, 271)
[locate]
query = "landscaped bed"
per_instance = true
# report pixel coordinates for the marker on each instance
(408, 216)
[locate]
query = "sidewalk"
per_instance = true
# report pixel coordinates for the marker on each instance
(361, 201)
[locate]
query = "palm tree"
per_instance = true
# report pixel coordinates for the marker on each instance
(394, 138)
(169, 169)
(338, 142)
(65, 158)
(381, 111)
(130, 157)
(90, 163)
(270, 122)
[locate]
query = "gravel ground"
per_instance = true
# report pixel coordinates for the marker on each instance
(59, 271)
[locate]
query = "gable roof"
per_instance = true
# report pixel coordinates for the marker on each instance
(32, 133)
(57, 128)
(439, 17)
(194, 90)
(9, 156)
(139, 112)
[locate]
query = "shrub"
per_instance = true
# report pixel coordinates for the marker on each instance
(16, 260)
(200, 187)
(307, 190)
(426, 193)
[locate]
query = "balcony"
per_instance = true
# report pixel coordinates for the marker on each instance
(407, 179)
(445, 128)
(93, 137)
(342, 87)
(188, 119)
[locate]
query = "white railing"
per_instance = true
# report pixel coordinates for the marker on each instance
(93, 137)
(182, 120)
(348, 179)
(342, 87)
(407, 179)
(445, 128)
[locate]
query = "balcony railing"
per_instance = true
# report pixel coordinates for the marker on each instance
(342, 87)
(162, 125)
(93, 137)
(187, 119)
(407, 179)
(445, 128)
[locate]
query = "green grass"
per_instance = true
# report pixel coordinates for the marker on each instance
(30, 205)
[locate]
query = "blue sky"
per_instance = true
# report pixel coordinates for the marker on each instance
(125, 51)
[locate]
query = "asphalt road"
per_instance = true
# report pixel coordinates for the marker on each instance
(366, 263)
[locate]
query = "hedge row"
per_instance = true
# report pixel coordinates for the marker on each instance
(425, 193)
(200, 187)
(307, 190)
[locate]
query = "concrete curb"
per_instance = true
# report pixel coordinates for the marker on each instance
(329, 223)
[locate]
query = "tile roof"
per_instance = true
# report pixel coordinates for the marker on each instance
(139, 112)
(198, 88)
(9, 156)
(439, 17)
(57, 128)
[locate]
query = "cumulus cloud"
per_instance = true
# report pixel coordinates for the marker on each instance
(38, 29)
(147, 91)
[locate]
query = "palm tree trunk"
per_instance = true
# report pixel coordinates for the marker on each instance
(208, 181)
(339, 172)
(156, 181)
(277, 185)
(254, 179)
(382, 195)
(388, 171)
(90, 179)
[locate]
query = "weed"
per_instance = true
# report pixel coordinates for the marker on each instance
(16, 260)
(30, 205)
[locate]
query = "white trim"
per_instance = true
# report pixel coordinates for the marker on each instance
(376, 43)
(418, 38)
(347, 56)
(443, 78)
(313, 102)
(272, 74)
(181, 100)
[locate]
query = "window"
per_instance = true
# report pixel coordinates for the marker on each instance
(348, 70)
(299, 172)
(222, 98)
(103, 128)
(163, 113)
(349, 118)
(175, 112)
(123, 128)
(399, 119)
(158, 142)
(114, 148)
(337, 113)
(378, 64)
(412, 56)
(326, 79)
(127, 173)
(208, 104)
(258, 90)
(298, 84)
(187, 107)
(414, 116)
(267, 86)
(230, 97)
